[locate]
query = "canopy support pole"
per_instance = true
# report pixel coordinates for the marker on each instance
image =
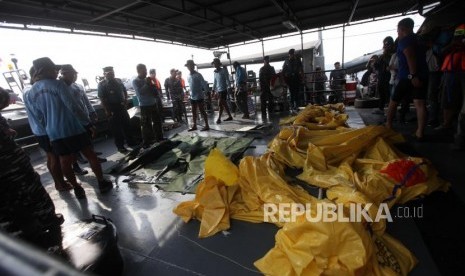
(303, 62)
(263, 48)
(343, 43)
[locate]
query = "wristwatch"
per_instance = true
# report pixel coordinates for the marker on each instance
(411, 76)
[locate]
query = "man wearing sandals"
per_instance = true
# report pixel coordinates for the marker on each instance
(197, 86)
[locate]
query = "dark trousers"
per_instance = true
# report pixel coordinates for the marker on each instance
(242, 100)
(266, 101)
(294, 87)
(434, 83)
(152, 129)
(178, 109)
(384, 91)
(121, 127)
(160, 108)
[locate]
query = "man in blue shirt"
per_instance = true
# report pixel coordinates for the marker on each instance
(221, 84)
(53, 160)
(412, 75)
(49, 103)
(113, 95)
(152, 129)
(69, 76)
(197, 86)
(241, 88)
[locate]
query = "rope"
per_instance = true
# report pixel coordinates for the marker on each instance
(406, 178)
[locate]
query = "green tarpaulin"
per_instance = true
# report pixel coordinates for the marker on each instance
(182, 168)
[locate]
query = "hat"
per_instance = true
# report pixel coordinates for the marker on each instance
(107, 69)
(236, 63)
(44, 63)
(291, 51)
(67, 68)
(216, 60)
(190, 62)
(460, 30)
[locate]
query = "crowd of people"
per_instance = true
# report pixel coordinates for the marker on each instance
(426, 69)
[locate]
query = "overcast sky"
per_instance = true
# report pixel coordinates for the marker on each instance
(89, 54)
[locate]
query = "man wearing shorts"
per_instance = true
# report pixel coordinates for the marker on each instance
(197, 86)
(53, 160)
(412, 75)
(49, 103)
(69, 76)
(221, 84)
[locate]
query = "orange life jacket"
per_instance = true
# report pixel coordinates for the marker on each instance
(455, 60)
(157, 83)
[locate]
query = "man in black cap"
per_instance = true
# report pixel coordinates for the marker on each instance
(114, 95)
(49, 103)
(264, 76)
(294, 74)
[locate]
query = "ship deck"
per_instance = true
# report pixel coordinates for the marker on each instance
(154, 241)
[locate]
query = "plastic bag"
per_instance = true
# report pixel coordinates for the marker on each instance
(210, 206)
(305, 248)
(334, 248)
(221, 167)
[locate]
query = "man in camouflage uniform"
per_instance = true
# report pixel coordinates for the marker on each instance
(174, 88)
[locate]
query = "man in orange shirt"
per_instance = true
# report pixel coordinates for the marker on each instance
(183, 82)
